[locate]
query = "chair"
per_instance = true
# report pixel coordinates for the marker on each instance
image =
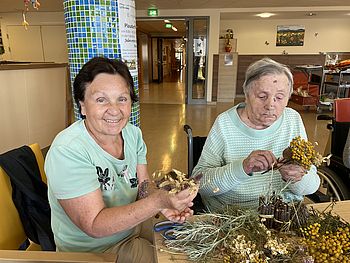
(12, 234)
(335, 178)
(194, 149)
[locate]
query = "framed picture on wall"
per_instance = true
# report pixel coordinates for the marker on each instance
(291, 35)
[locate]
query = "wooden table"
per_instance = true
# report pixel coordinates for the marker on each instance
(341, 208)
(23, 256)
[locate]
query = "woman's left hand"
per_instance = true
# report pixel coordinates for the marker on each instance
(176, 216)
(292, 172)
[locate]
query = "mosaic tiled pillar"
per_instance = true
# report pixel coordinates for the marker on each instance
(102, 28)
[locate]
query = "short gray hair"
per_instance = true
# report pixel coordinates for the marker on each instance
(263, 67)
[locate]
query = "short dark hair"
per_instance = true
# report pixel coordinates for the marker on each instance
(96, 66)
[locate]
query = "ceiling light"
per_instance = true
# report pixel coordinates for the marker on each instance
(311, 14)
(265, 15)
(174, 28)
(166, 21)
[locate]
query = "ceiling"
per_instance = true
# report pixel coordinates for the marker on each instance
(156, 27)
(57, 5)
(195, 4)
(229, 9)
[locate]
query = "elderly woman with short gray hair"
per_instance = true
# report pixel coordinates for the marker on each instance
(247, 139)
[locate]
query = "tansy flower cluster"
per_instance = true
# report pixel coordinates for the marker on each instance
(328, 246)
(300, 152)
(303, 152)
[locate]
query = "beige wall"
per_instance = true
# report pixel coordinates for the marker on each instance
(332, 35)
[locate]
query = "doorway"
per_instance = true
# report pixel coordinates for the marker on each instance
(168, 59)
(168, 56)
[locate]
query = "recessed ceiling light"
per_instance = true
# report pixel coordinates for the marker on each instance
(166, 21)
(311, 14)
(174, 28)
(265, 15)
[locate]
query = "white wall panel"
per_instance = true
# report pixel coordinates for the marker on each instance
(25, 45)
(54, 43)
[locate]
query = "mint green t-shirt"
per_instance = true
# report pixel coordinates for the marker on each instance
(76, 165)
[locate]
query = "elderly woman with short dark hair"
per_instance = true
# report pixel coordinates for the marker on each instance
(97, 171)
(247, 139)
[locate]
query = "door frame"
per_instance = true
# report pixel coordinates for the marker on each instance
(189, 59)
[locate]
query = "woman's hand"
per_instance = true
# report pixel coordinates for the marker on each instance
(176, 216)
(292, 172)
(176, 207)
(258, 161)
(178, 201)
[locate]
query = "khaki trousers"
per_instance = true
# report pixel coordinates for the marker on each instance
(138, 247)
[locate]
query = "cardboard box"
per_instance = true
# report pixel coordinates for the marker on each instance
(304, 101)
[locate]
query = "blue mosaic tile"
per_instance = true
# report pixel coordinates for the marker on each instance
(92, 30)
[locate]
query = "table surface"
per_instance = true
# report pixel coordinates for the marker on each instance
(341, 208)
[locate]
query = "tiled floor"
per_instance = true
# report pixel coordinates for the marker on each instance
(163, 115)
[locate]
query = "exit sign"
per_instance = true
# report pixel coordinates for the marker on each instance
(152, 11)
(168, 25)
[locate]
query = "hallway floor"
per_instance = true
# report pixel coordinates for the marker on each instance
(163, 115)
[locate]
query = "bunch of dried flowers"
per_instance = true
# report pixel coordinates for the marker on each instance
(301, 152)
(326, 236)
(236, 235)
(175, 181)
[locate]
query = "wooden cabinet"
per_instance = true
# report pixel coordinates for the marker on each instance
(32, 105)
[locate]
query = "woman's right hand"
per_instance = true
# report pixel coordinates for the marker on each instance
(179, 205)
(176, 207)
(178, 201)
(258, 161)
